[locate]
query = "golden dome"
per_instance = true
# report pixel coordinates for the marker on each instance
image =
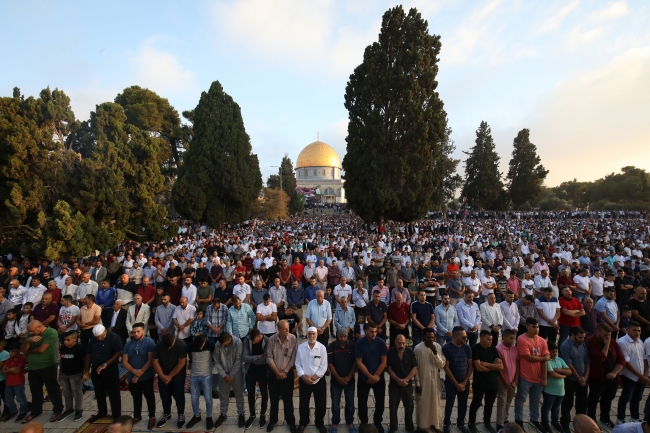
(318, 154)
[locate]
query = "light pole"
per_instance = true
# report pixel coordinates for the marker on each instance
(281, 170)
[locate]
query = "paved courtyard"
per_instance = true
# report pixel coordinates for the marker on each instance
(90, 406)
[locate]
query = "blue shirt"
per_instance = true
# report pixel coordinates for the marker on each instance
(468, 315)
(457, 357)
(370, 354)
(344, 319)
(318, 313)
(422, 313)
(609, 307)
(4, 355)
(138, 352)
(240, 321)
(296, 297)
(310, 292)
(105, 298)
(446, 320)
(577, 355)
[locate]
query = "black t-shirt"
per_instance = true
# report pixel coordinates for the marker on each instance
(342, 358)
(168, 358)
(485, 380)
(291, 320)
(72, 359)
(642, 307)
(401, 367)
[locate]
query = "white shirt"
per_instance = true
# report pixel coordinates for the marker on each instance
(541, 282)
(528, 286)
(490, 281)
(266, 327)
(89, 288)
(241, 291)
(34, 294)
(633, 351)
(66, 314)
(343, 291)
(597, 286)
(582, 282)
(474, 284)
(360, 300)
(490, 316)
(311, 361)
(190, 293)
(510, 314)
(16, 296)
(549, 308)
(183, 315)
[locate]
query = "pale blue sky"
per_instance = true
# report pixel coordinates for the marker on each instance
(577, 73)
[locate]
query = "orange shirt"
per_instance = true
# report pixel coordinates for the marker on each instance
(531, 371)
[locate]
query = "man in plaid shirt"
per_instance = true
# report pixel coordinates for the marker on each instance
(217, 318)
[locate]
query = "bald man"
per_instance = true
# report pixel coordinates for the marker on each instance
(584, 424)
(33, 427)
(122, 424)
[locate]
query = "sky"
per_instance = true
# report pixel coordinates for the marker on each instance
(575, 72)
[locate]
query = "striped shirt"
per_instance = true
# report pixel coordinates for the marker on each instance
(217, 318)
(240, 321)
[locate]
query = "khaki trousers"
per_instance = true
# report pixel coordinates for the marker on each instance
(504, 400)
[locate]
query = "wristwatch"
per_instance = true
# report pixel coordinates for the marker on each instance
(104, 365)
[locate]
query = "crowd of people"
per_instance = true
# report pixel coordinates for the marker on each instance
(548, 311)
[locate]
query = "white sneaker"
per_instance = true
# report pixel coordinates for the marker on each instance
(620, 421)
(634, 420)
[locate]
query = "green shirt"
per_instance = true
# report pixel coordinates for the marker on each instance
(36, 361)
(202, 293)
(555, 386)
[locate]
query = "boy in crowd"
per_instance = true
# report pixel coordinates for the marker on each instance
(71, 375)
(14, 371)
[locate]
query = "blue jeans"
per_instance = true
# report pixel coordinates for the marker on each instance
(632, 393)
(335, 392)
(551, 403)
(452, 392)
(524, 388)
(418, 337)
(17, 391)
(198, 384)
(443, 339)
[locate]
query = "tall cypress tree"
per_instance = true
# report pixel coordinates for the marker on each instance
(526, 173)
(220, 178)
(396, 122)
(483, 187)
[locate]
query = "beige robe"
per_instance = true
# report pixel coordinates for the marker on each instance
(429, 408)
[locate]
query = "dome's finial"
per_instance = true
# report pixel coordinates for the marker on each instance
(318, 136)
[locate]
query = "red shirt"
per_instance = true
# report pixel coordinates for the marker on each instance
(56, 295)
(569, 304)
(296, 270)
(451, 268)
(566, 281)
(147, 292)
(13, 379)
(285, 273)
(399, 314)
(43, 313)
(597, 357)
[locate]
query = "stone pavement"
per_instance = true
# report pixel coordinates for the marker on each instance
(90, 406)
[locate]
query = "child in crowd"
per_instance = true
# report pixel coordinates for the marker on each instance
(359, 327)
(553, 392)
(626, 316)
(556, 289)
(292, 319)
(14, 371)
(71, 375)
(200, 325)
(23, 321)
(10, 328)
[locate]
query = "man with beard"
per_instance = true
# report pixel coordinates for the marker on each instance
(428, 355)
(227, 365)
(342, 366)
(311, 364)
(138, 361)
(574, 352)
(371, 353)
(402, 366)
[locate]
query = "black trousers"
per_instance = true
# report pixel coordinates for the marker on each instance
(394, 332)
(282, 387)
(572, 390)
(324, 337)
(477, 400)
(363, 391)
(107, 383)
(405, 395)
(85, 336)
(45, 377)
(319, 391)
(137, 390)
(257, 373)
(603, 392)
(548, 333)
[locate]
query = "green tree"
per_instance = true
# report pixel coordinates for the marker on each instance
(220, 178)
(483, 187)
(526, 173)
(446, 165)
(396, 122)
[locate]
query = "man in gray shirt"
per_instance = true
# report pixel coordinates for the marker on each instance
(201, 379)
(228, 369)
(164, 315)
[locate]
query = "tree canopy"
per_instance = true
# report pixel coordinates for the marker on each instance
(397, 124)
(286, 178)
(220, 178)
(526, 173)
(483, 187)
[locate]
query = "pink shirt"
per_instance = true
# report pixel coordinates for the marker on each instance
(531, 371)
(513, 285)
(509, 357)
